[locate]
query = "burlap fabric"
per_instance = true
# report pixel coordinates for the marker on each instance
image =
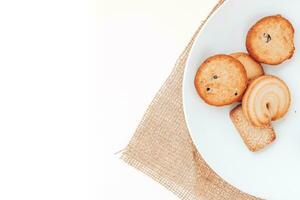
(162, 148)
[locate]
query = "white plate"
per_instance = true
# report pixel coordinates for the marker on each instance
(275, 172)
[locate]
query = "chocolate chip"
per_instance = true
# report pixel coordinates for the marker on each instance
(236, 94)
(207, 89)
(215, 77)
(267, 37)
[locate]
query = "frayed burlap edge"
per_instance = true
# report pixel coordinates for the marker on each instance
(162, 148)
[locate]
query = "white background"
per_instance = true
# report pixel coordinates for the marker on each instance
(75, 79)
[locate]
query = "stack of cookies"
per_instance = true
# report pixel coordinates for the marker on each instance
(223, 80)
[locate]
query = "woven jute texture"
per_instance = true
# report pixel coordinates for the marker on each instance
(162, 148)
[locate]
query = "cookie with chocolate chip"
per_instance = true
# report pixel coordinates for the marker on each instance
(221, 80)
(271, 40)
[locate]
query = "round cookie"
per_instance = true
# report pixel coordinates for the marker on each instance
(271, 40)
(253, 68)
(266, 99)
(221, 80)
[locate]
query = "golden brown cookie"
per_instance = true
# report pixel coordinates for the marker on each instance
(271, 40)
(266, 99)
(221, 80)
(255, 138)
(253, 68)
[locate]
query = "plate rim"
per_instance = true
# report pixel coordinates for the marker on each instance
(210, 15)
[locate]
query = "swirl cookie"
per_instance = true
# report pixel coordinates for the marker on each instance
(271, 40)
(255, 138)
(253, 68)
(266, 99)
(221, 80)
